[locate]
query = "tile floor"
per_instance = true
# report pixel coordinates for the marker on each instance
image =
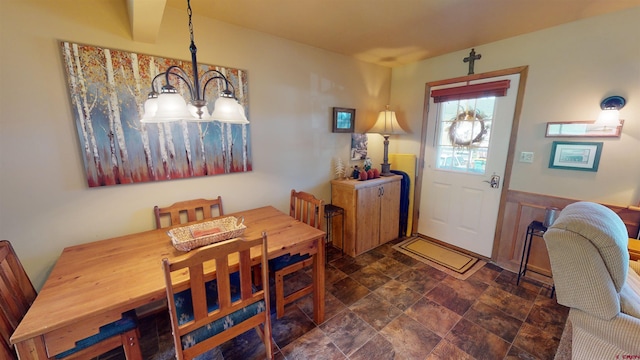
(386, 305)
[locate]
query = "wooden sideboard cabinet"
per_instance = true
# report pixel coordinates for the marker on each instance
(372, 211)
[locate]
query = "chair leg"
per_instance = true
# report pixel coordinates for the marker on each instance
(265, 336)
(281, 299)
(279, 295)
(131, 344)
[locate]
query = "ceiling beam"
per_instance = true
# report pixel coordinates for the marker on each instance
(145, 17)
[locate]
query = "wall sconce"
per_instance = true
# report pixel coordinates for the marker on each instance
(386, 125)
(610, 114)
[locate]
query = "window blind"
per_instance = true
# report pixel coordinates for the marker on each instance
(494, 88)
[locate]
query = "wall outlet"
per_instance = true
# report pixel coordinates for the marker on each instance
(526, 157)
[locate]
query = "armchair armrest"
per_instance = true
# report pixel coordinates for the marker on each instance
(621, 332)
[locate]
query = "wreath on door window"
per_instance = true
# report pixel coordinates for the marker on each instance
(467, 128)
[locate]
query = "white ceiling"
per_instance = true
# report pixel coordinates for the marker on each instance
(396, 32)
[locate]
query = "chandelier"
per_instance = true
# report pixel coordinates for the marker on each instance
(169, 105)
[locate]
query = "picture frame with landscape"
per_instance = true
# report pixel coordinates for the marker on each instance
(344, 120)
(584, 156)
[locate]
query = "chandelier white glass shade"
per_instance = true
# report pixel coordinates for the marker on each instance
(169, 105)
(386, 125)
(610, 114)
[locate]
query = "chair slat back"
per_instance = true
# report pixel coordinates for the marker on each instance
(16, 296)
(186, 211)
(229, 257)
(307, 208)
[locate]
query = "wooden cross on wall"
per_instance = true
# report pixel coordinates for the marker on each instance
(471, 59)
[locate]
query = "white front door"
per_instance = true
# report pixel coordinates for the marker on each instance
(465, 158)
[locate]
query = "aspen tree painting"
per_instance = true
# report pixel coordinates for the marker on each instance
(108, 89)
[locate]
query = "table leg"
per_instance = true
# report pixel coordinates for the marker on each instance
(318, 282)
(525, 254)
(32, 349)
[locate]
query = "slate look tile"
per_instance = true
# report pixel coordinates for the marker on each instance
(398, 294)
(348, 331)
(494, 320)
(385, 305)
(348, 290)
(370, 278)
(435, 317)
(378, 348)
(390, 267)
(537, 342)
(478, 342)
(376, 311)
(410, 339)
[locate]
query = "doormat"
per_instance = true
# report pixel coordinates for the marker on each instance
(442, 258)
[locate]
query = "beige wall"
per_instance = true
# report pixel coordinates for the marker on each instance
(45, 204)
(571, 69)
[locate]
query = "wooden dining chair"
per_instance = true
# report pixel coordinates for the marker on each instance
(178, 213)
(310, 210)
(16, 296)
(207, 310)
(190, 210)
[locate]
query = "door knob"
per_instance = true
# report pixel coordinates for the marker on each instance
(494, 182)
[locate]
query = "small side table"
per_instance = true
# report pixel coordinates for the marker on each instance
(534, 229)
(331, 211)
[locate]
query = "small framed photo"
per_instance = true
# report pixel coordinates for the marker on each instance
(583, 156)
(344, 120)
(359, 144)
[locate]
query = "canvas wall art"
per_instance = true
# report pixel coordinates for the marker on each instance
(108, 89)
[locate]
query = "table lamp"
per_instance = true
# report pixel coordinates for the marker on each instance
(386, 125)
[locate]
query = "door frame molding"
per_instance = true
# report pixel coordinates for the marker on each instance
(523, 71)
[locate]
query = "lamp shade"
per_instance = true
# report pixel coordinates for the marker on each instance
(387, 124)
(150, 108)
(168, 107)
(228, 110)
(610, 114)
(608, 118)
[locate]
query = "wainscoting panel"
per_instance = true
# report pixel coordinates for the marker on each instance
(521, 209)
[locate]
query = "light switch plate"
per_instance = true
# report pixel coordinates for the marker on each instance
(526, 157)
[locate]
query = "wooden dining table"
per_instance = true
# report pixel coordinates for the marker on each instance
(92, 284)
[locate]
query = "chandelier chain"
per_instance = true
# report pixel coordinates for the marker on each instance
(189, 12)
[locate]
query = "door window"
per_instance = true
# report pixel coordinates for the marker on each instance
(463, 134)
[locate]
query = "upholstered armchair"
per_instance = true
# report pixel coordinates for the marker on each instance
(587, 247)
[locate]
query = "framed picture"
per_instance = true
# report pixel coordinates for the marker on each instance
(582, 129)
(118, 149)
(359, 144)
(583, 156)
(343, 120)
